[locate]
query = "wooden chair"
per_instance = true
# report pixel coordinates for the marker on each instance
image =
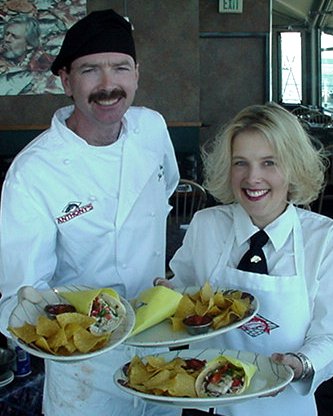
(326, 195)
(188, 198)
(301, 111)
(319, 118)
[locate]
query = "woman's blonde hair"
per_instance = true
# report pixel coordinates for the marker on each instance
(301, 163)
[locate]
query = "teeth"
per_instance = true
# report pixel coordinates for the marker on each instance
(107, 102)
(256, 194)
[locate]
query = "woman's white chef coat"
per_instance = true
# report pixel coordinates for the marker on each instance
(73, 213)
(296, 309)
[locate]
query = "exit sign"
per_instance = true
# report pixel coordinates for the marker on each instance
(231, 6)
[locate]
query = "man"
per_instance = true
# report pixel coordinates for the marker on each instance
(23, 62)
(113, 168)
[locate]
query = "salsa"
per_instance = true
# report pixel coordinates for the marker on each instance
(59, 308)
(197, 320)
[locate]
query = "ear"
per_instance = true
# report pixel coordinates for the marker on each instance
(137, 75)
(64, 76)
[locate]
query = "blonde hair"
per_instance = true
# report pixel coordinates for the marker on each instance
(301, 163)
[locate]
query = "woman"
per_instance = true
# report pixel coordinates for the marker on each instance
(261, 166)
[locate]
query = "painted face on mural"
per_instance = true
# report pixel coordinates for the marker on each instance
(15, 44)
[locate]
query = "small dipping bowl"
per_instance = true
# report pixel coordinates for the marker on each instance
(196, 324)
(53, 310)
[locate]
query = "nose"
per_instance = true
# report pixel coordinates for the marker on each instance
(254, 174)
(8, 37)
(106, 79)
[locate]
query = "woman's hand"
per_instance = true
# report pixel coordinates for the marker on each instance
(160, 281)
(291, 361)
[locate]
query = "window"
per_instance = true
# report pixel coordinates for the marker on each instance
(327, 71)
(291, 68)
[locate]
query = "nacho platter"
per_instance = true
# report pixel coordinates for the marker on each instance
(28, 311)
(162, 334)
(268, 379)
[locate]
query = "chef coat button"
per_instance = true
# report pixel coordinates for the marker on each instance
(136, 131)
(157, 253)
(124, 266)
(92, 198)
(66, 161)
(152, 214)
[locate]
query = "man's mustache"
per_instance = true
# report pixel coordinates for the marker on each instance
(107, 95)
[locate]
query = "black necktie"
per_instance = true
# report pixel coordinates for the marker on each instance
(254, 259)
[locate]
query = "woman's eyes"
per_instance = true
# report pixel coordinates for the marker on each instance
(269, 163)
(245, 163)
(239, 163)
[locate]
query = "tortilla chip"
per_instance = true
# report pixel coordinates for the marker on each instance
(85, 341)
(26, 333)
(74, 318)
(46, 327)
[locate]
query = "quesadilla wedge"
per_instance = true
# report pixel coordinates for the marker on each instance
(102, 304)
(224, 376)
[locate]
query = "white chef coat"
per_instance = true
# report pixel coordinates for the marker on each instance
(295, 299)
(72, 213)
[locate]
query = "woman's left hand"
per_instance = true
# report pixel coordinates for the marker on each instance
(291, 361)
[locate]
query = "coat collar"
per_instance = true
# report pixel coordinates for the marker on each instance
(278, 231)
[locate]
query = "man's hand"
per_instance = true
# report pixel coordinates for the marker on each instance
(160, 281)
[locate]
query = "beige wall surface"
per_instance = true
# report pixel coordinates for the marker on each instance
(185, 76)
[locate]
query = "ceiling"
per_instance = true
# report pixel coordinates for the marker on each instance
(309, 14)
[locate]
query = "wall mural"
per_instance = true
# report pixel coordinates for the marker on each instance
(31, 32)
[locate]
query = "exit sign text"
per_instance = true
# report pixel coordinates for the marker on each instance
(231, 6)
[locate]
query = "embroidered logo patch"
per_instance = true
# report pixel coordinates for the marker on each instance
(258, 326)
(73, 210)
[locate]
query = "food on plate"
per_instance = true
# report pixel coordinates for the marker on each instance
(58, 308)
(154, 375)
(196, 324)
(68, 333)
(224, 376)
(102, 304)
(153, 306)
(224, 307)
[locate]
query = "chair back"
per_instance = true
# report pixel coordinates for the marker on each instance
(325, 199)
(319, 119)
(301, 111)
(188, 198)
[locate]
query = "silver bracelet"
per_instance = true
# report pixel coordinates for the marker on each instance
(307, 368)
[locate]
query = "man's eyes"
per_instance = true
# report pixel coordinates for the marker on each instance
(87, 70)
(95, 69)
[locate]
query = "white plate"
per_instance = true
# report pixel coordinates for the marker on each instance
(269, 378)
(162, 334)
(27, 311)
(6, 378)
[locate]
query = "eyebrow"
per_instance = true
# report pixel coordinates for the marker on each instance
(262, 158)
(113, 64)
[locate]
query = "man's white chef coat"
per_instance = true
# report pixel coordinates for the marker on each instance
(72, 213)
